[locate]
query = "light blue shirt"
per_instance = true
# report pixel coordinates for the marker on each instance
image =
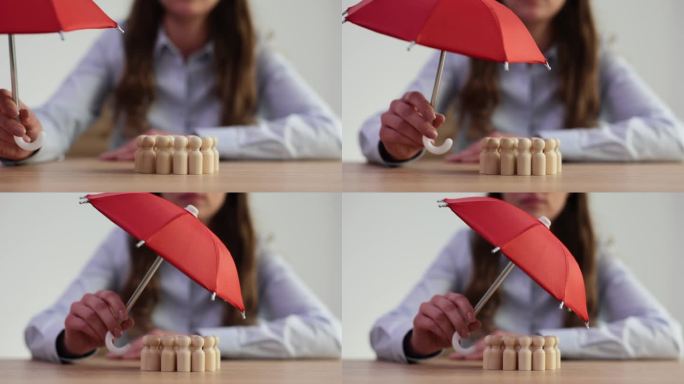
(631, 322)
(292, 322)
(293, 122)
(634, 124)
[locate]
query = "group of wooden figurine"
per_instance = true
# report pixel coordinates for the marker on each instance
(177, 155)
(511, 353)
(180, 353)
(510, 156)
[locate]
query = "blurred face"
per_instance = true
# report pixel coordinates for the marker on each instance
(189, 8)
(207, 203)
(535, 11)
(539, 204)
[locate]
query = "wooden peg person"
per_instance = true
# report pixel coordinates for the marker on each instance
(558, 353)
(149, 157)
(538, 157)
(550, 154)
(198, 359)
(168, 355)
(183, 356)
(550, 352)
(538, 355)
(150, 356)
(508, 149)
(180, 155)
(138, 154)
(524, 158)
(209, 354)
(194, 156)
(492, 157)
(524, 354)
(217, 350)
(217, 156)
(559, 158)
(207, 156)
(164, 155)
(486, 354)
(496, 357)
(483, 154)
(510, 356)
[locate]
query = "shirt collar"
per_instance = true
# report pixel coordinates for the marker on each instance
(164, 43)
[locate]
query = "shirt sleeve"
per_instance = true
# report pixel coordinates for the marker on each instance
(105, 270)
(79, 99)
(632, 323)
(449, 272)
(295, 323)
(638, 125)
(455, 68)
(296, 123)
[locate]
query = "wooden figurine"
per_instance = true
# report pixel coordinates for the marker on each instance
(508, 149)
(496, 357)
(168, 355)
(483, 154)
(510, 357)
(207, 156)
(492, 157)
(149, 158)
(551, 157)
(218, 353)
(559, 158)
(198, 362)
(164, 155)
(183, 356)
(217, 156)
(538, 157)
(138, 154)
(194, 156)
(524, 159)
(558, 354)
(487, 353)
(550, 352)
(209, 354)
(150, 356)
(524, 354)
(180, 155)
(538, 355)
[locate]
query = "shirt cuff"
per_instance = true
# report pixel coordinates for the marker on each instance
(389, 161)
(64, 356)
(412, 359)
(570, 142)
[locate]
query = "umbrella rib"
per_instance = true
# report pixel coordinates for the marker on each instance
(498, 23)
(425, 22)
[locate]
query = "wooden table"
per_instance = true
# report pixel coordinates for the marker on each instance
(101, 371)
(439, 176)
(452, 372)
(78, 175)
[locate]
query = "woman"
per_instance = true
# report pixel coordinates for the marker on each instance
(592, 101)
(626, 321)
(284, 319)
(183, 67)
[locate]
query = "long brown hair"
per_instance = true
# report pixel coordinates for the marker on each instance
(576, 38)
(232, 223)
(574, 228)
(234, 40)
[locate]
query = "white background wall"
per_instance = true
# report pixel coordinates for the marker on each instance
(306, 32)
(389, 240)
(47, 238)
(377, 68)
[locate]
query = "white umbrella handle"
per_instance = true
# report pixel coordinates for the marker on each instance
(437, 149)
(456, 344)
(109, 342)
(32, 146)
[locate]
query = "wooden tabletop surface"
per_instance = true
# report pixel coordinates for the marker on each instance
(77, 175)
(102, 371)
(439, 176)
(452, 372)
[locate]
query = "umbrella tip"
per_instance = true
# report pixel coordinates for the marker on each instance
(83, 200)
(545, 220)
(192, 209)
(140, 243)
(244, 315)
(506, 66)
(410, 46)
(61, 35)
(548, 66)
(213, 296)
(495, 250)
(120, 28)
(562, 304)
(586, 324)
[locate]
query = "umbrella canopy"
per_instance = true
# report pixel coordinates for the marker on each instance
(528, 244)
(45, 16)
(178, 237)
(484, 29)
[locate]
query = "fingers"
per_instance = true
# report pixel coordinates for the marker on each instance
(454, 315)
(75, 323)
(466, 309)
(7, 105)
(426, 324)
(104, 313)
(408, 113)
(12, 126)
(420, 105)
(84, 313)
(440, 318)
(402, 128)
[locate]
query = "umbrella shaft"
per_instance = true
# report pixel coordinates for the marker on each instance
(145, 280)
(13, 70)
(438, 79)
(495, 285)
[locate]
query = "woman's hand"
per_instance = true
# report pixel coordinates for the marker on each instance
(90, 319)
(13, 122)
(126, 152)
(406, 122)
(438, 319)
(472, 153)
(136, 346)
(480, 347)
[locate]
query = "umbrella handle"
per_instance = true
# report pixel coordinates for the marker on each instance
(109, 342)
(437, 149)
(458, 348)
(32, 146)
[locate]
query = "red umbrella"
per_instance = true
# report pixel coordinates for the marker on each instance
(484, 29)
(175, 235)
(529, 244)
(45, 16)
